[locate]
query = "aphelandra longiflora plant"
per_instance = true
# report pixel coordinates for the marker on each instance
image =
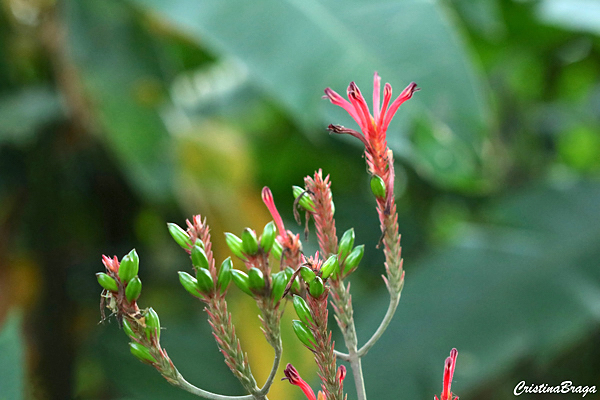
(277, 271)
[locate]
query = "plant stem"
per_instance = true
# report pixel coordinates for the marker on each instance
(345, 319)
(394, 299)
(276, 361)
(188, 387)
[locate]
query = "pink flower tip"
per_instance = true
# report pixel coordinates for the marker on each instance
(373, 125)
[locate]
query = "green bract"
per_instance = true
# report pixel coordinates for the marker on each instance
(241, 280)
(256, 279)
(277, 250)
(129, 266)
(279, 282)
(353, 259)
(249, 242)
(268, 237)
(180, 236)
(304, 334)
(329, 266)
(199, 258)
(141, 352)
(152, 323)
(127, 328)
(316, 288)
(189, 283)
(302, 310)
(224, 277)
(133, 289)
(307, 274)
(346, 243)
(235, 245)
(378, 187)
(107, 282)
(205, 282)
(305, 201)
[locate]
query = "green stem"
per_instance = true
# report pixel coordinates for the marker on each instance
(345, 320)
(276, 361)
(394, 299)
(188, 387)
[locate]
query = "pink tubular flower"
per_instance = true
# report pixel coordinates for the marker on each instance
(292, 375)
(373, 127)
(290, 243)
(448, 374)
(267, 198)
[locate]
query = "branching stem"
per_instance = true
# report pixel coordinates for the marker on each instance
(394, 299)
(188, 387)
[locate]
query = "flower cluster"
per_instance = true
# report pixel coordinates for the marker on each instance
(275, 271)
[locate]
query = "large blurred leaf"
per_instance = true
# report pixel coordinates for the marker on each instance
(21, 113)
(525, 285)
(294, 49)
(121, 76)
(579, 15)
(11, 367)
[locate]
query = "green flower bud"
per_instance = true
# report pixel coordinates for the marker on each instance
(280, 281)
(133, 289)
(302, 310)
(200, 243)
(152, 323)
(205, 282)
(307, 274)
(277, 250)
(268, 237)
(289, 271)
(329, 266)
(107, 282)
(180, 236)
(249, 242)
(256, 279)
(127, 328)
(141, 353)
(224, 277)
(199, 258)
(378, 187)
(346, 243)
(296, 285)
(353, 259)
(316, 288)
(235, 245)
(189, 283)
(241, 280)
(304, 334)
(305, 201)
(129, 267)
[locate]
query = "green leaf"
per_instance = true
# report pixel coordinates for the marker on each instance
(294, 49)
(122, 77)
(525, 286)
(11, 367)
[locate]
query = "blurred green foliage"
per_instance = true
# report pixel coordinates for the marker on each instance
(118, 116)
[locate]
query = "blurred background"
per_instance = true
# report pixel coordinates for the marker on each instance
(119, 116)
